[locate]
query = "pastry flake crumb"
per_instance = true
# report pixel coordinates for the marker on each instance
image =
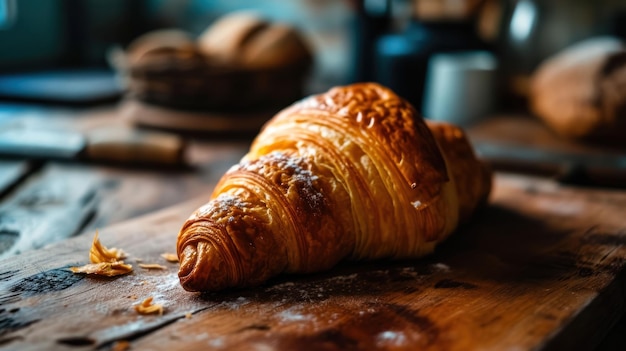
(147, 307)
(100, 253)
(104, 261)
(188, 315)
(121, 345)
(151, 266)
(107, 269)
(170, 257)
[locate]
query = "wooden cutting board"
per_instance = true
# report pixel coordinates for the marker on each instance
(542, 267)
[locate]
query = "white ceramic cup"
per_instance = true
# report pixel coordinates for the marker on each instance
(460, 87)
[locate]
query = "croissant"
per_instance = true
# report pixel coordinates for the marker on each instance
(351, 174)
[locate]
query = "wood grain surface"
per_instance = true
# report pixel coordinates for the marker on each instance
(44, 202)
(11, 172)
(542, 267)
(50, 207)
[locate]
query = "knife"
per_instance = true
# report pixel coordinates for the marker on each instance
(113, 144)
(607, 169)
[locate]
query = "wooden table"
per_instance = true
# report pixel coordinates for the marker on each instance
(45, 202)
(542, 267)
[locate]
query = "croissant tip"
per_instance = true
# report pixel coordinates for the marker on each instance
(202, 268)
(188, 262)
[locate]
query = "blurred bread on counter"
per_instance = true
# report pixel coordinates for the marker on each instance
(580, 92)
(247, 40)
(241, 64)
(224, 40)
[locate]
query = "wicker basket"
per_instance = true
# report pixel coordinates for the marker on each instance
(169, 69)
(192, 82)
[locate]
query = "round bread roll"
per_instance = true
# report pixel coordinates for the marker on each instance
(277, 45)
(225, 38)
(244, 39)
(580, 93)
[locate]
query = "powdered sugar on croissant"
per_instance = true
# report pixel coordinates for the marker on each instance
(353, 173)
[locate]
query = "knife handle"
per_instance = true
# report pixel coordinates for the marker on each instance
(132, 146)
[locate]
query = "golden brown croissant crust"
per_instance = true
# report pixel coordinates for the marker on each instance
(350, 174)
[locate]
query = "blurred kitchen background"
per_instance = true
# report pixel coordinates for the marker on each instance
(466, 61)
(383, 40)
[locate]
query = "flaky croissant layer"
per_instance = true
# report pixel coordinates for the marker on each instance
(353, 173)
